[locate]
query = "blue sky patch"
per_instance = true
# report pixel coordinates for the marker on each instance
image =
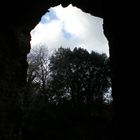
(66, 34)
(49, 16)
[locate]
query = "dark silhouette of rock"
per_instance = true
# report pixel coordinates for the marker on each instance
(20, 17)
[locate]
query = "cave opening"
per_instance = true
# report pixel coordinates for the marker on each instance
(35, 115)
(63, 47)
(69, 27)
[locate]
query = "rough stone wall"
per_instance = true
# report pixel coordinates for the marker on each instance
(13, 66)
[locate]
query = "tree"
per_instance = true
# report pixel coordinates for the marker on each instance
(38, 67)
(79, 76)
(75, 84)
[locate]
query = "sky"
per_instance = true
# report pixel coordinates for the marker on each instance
(69, 27)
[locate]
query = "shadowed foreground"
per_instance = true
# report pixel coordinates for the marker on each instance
(65, 99)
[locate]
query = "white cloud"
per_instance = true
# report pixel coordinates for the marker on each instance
(84, 30)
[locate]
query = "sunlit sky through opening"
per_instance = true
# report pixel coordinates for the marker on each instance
(69, 27)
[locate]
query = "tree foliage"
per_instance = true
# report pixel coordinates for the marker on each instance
(79, 75)
(38, 67)
(66, 96)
